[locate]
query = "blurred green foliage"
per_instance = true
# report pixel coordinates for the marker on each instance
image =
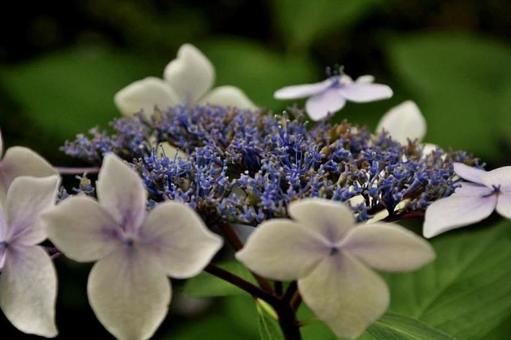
(61, 63)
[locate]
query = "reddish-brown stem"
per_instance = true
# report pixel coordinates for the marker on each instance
(76, 171)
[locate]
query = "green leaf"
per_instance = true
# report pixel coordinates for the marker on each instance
(71, 91)
(255, 69)
(459, 82)
(466, 291)
(398, 327)
(303, 21)
(207, 285)
(268, 327)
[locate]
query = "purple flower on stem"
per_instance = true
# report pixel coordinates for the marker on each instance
(330, 95)
(472, 202)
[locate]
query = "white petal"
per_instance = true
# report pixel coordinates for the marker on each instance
(190, 75)
(1, 144)
(27, 198)
(362, 92)
(82, 229)
(284, 250)
(504, 204)
(330, 219)
(21, 161)
(428, 148)
(365, 79)
(169, 151)
(345, 294)
(302, 91)
(404, 122)
(469, 204)
(500, 177)
(144, 95)
(178, 238)
(28, 290)
(388, 247)
(121, 192)
(228, 96)
(321, 105)
(129, 293)
(469, 173)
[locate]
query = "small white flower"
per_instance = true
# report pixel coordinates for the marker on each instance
(20, 161)
(330, 95)
(331, 258)
(28, 282)
(474, 201)
(135, 251)
(187, 80)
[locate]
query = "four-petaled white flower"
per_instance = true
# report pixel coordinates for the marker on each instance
(20, 161)
(187, 80)
(28, 282)
(331, 258)
(472, 202)
(135, 251)
(330, 95)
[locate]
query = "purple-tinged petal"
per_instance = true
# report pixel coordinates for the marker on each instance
(284, 250)
(179, 240)
(345, 294)
(27, 199)
(388, 247)
(469, 173)
(129, 293)
(330, 220)
(302, 91)
(20, 161)
(365, 92)
(1, 144)
(82, 229)
(121, 192)
(28, 290)
(321, 105)
(504, 204)
(500, 177)
(469, 204)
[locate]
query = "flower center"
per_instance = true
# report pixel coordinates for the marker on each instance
(334, 251)
(496, 191)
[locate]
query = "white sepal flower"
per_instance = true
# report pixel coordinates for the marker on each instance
(20, 161)
(405, 122)
(28, 282)
(331, 257)
(330, 95)
(474, 201)
(128, 287)
(188, 79)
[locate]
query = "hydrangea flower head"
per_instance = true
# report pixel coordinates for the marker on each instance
(135, 251)
(188, 79)
(478, 196)
(330, 95)
(331, 258)
(20, 161)
(28, 283)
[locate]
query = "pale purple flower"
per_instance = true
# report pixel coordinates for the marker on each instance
(188, 79)
(472, 202)
(28, 283)
(20, 161)
(135, 251)
(330, 95)
(331, 257)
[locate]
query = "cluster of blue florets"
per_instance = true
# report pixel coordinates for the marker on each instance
(246, 166)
